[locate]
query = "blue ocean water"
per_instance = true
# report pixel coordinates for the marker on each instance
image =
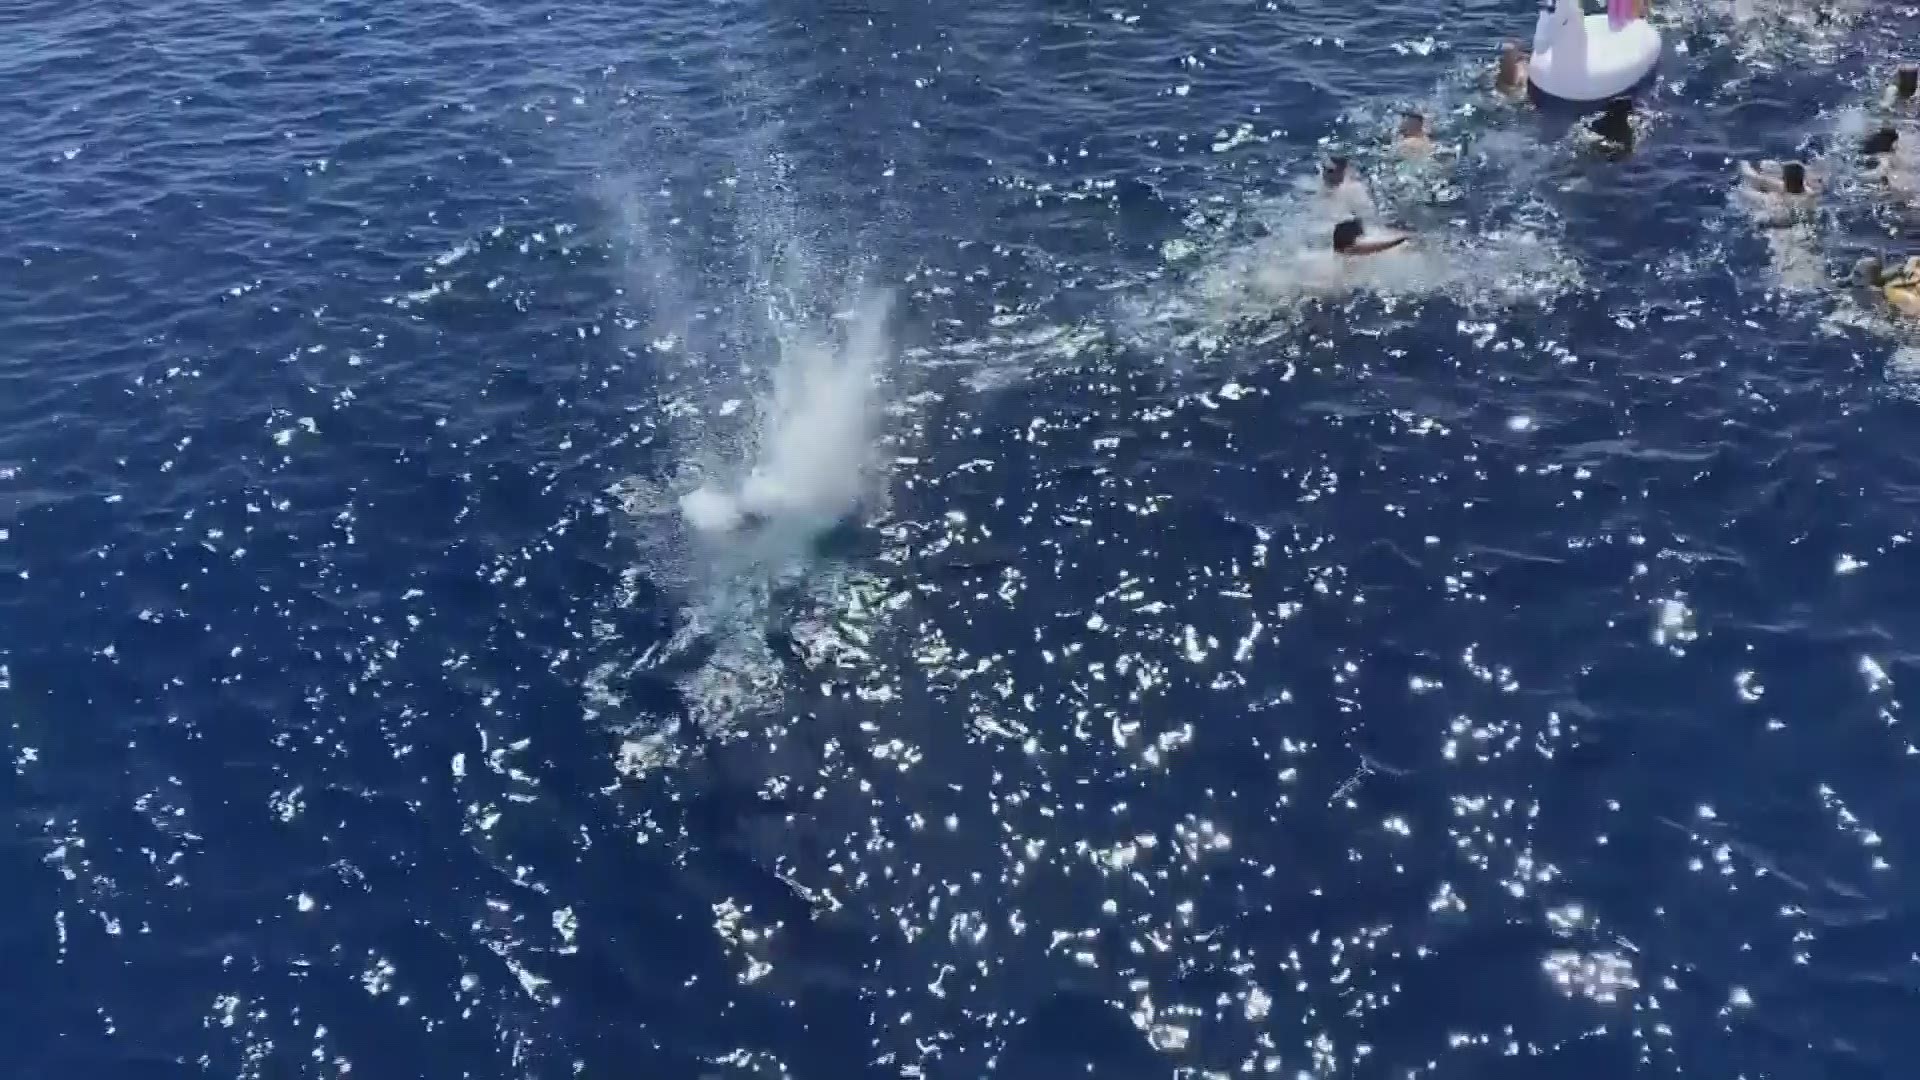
(1494, 670)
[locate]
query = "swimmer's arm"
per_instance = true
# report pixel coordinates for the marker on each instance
(1758, 180)
(1374, 247)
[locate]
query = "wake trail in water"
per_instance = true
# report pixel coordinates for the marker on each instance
(1234, 284)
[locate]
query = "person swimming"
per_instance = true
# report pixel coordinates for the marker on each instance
(1869, 272)
(1775, 178)
(1883, 151)
(1413, 139)
(1793, 178)
(1348, 239)
(1613, 128)
(1872, 272)
(1905, 91)
(1510, 78)
(1344, 189)
(1780, 188)
(1898, 286)
(1335, 173)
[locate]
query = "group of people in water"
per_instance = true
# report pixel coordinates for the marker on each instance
(1784, 193)
(1781, 194)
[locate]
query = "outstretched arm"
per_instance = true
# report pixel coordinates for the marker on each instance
(1759, 181)
(1374, 247)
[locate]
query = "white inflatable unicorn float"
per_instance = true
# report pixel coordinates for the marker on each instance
(1581, 57)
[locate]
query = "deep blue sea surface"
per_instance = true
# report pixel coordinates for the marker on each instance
(1492, 668)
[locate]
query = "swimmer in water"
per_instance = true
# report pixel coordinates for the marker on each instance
(1347, 239)
(1345, 190)
(1613, 129)
(1869, 272)
(1775, 178)
(1782, 185)
(1898, 286)
(1510, 78)
(1413, 141)
(1905, 91)
(1882, 149)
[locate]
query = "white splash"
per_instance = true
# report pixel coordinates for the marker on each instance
(813, 459)
(767, 407)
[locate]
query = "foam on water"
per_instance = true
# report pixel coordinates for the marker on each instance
(814, 458)
(1295, 725)
(1483, 235)
(738, 534)
(1903, 369)
(768, 451)
(768, 398)
(1280, 273)
(1766, 34)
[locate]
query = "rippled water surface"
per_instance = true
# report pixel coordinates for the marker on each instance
(1489, 664)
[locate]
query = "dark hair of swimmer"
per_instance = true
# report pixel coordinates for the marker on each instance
(1334, 171)
(1412, 124)
(1346, 234)
(1905, 82)
(1793, 177)
(1880, 142)
(1613, 125)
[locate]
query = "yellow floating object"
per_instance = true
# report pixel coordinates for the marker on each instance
(1903, 290)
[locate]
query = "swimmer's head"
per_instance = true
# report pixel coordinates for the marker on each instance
(1793, 177)
(1412, 125)
(1619, 109)
(1346, 234)
(1334, 172)
(1867, 270)
(1906, 81)
(1880, 142)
